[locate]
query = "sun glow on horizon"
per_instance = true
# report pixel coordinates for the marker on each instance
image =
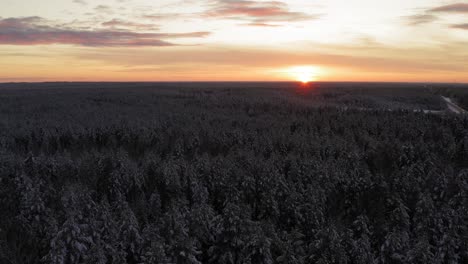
(303, 74)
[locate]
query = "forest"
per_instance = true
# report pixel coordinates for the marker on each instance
(231, 173)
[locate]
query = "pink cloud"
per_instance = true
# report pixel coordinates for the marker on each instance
(260, 24)
(258, 12)
(454, 8)
(37, 31)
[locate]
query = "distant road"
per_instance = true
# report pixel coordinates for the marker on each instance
(453, 107)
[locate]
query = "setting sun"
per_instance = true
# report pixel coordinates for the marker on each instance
(304, 74)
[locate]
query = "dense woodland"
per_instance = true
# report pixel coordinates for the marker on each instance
(230, 174)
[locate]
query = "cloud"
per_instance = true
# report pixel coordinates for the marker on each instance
(420, 19)
(460, 26)
(260, 24)
(162, 16)
(80, 2)
(384, 59)
(38, 31)
(116, 23)
(103, 9)
(259, 13)
(454, 8)
(428, 16)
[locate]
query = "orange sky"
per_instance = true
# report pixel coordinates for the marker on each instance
(234, 40)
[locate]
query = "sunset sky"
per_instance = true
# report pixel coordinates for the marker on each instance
(229, 40)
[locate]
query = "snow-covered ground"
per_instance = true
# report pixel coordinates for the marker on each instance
(453, 107)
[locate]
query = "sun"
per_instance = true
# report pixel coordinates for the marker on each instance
(304, 77)
(303, 74)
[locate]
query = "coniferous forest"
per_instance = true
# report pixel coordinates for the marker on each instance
(231, 173)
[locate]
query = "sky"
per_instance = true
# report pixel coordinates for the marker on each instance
(234, 40)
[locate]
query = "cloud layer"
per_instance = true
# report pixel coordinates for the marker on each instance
(429, 15)
(38, 31)
(454, 8)
(257, 13)
(460, 26)
(119, 23)
(420, 19)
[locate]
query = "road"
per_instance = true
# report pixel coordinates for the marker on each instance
(453, 107)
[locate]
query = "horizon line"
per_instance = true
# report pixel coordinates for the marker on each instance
(149, 82)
